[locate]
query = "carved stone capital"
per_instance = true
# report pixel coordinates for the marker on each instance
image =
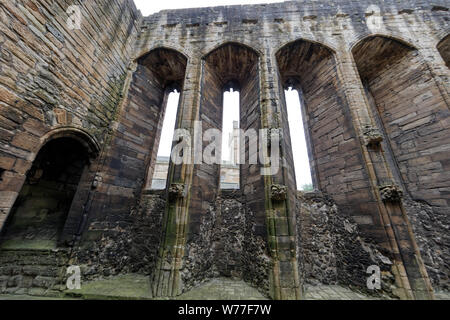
(372, 136)
(176, 190)
(278, 192)
(391, 193)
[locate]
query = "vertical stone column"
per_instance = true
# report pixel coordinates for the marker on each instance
(409, 270)
(166, 280)
(280, 189)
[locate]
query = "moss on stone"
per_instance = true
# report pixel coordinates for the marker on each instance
(20, 244)
(122, 287)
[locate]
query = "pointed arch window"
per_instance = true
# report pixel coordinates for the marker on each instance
(302, 161)
(161, 171)
(229, 170)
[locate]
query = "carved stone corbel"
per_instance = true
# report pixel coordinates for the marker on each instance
(391, 193)
(372, 136)
(176, 190)
(278, 192)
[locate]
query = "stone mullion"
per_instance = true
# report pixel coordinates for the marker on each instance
(359, 108)
(167, 281)
(285, 281)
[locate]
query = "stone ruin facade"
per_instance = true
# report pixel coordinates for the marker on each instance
(81, 113)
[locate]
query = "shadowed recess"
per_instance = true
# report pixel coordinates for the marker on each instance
(374, 54)
(39, 214)
(444, 49)
(232, 62)
(167, 65)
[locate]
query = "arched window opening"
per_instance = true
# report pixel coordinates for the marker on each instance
(405, 111)
(39, 214)
(444, 49)
(298, 139)
(229, 170)
(161, 170)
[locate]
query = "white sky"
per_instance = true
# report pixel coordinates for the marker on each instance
(148, 7)
(165, 144)
(231, 104)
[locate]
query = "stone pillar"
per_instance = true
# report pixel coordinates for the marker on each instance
(166, 280)
(280, 189)
(409, 270)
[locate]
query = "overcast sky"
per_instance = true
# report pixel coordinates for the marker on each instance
(231, 107)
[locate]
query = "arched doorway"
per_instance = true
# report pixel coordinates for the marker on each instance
(444, 50)
(38, 216)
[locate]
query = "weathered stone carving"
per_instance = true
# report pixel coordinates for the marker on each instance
(372, 136)
(278, 192)
(97, 180)
(176, 190)
(391, 193)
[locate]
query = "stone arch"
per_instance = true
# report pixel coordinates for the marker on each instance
(211, 49)
(311, 69)
(444, 49)
(166, 65)
(411, 113)
(236, 65)
(321, 43)
(386, 66)
(408, 42)
(82, 136)
(160, 45)
(40, 211)
(158, 73)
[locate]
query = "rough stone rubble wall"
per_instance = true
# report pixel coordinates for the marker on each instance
(333, 250)
(228, 246)
(56, 82)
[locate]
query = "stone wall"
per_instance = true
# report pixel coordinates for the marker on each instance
(334, 252)
(227, 246)
(373, 76)
(58, 82)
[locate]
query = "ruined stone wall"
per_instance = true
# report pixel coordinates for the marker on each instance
(132, 248)
(106, 86)
(333, 250)
(341, 158)
(228, 246)
(58, 81)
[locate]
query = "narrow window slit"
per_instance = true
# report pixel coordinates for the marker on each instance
(229, 170)
(161, 167)
(298, 139)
